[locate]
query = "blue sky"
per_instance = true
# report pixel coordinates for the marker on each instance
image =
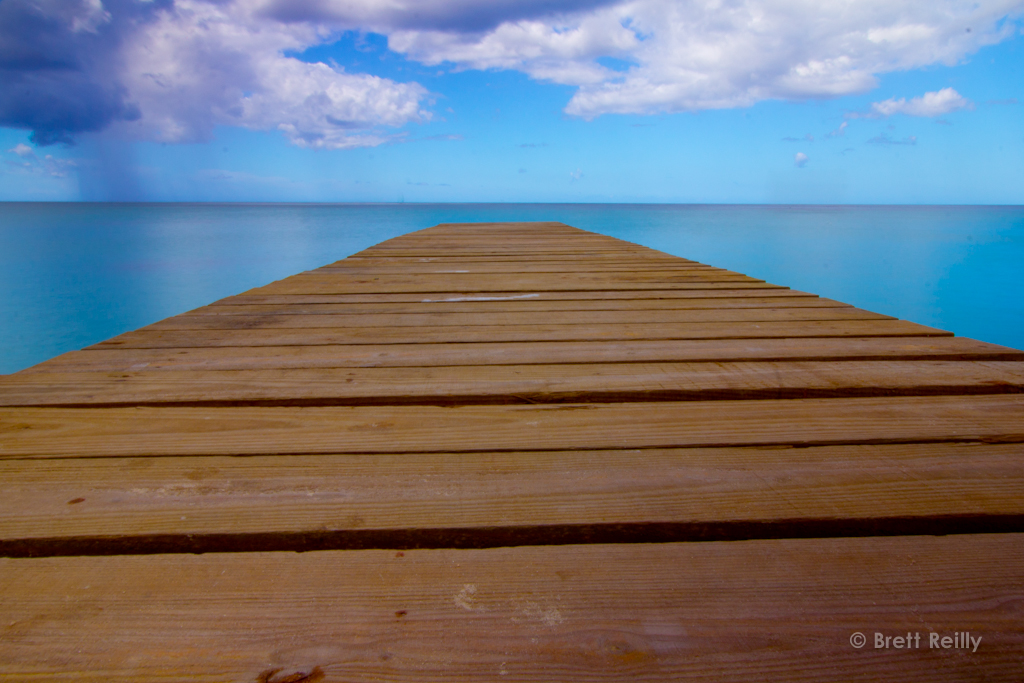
(730, 101)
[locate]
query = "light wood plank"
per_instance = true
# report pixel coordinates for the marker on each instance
(471, 282)
(442, 287)
(593, 274)
(526, 258)
(664, 612)
(565, 383)
(500, 333)
(92, 432)
(514, 297)
(463, 314)
(356, 266)
(512, 353)
(770, 490)
(295, 320)
(517, 306)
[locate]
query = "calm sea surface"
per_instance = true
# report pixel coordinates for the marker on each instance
(74, 274)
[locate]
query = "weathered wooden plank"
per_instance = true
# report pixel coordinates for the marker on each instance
(439, 282)
(454, 355)
(491, 303)
(514, 297)
(500, 247)
(566, 237)
(700, 491)
(500, 333)
(519, 262)
(354, 266)
(592, 273)
(90, 432)
(661, 612)
(442, 236)
(522, 261)
(503, 233)
(563, 383)
(444, 286)
(297, 320)
(518, 305)
(428, 284)
(700, 272)
(554, 252)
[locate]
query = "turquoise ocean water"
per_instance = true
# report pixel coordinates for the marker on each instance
(74, 274)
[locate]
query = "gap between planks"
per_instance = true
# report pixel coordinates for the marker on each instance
(497, 384)
(278, 503)
(157, 431)
(525, 353)
(296, 320)
(451, 334)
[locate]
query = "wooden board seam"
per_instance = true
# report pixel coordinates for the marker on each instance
(511, 536)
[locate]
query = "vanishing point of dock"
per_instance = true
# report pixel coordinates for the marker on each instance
(515, 451)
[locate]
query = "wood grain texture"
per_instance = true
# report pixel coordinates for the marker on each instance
(512, 298)
(512, 451)
(92, 432)
(758, 610)
(499, 283)
(702, 487)
(376, 278)
(565, 383)
(355, 266)
(523, 353)
(526, 259)
(508, 318)
(520, 306)
(153, 339)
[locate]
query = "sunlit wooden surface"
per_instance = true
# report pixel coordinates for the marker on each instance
(515, 451)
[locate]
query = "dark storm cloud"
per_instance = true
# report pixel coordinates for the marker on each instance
(57, 65)
(437, 15)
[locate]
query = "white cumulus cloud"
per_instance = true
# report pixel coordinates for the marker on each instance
(930, 104)
(47, 165)
(22, 150)
(176, 69)
(800, 160)
(547, 50)
(202, 64)
(838, 132)
(705, 54)
(173, 70)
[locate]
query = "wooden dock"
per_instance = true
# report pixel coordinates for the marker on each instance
(511, 452)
